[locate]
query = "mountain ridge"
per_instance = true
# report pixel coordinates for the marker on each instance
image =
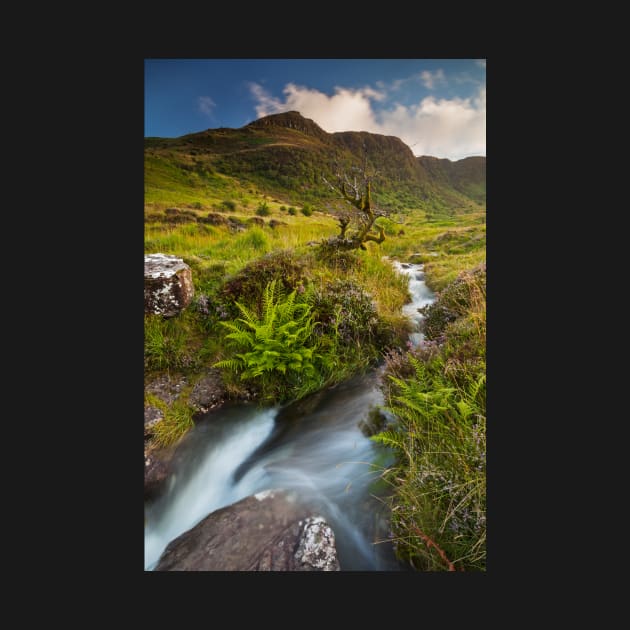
(287, 154)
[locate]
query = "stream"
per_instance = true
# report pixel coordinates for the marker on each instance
(315, 446)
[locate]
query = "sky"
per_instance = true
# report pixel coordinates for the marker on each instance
(436, 106)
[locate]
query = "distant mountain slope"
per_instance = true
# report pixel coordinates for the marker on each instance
(468, 176)
(286, 155)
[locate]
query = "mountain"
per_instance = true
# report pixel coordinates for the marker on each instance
(468, 176)
(286, 155)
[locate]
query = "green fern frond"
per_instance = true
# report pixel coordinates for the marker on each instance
(389, 438)
(229, 364)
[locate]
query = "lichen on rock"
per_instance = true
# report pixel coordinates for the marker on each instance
(317, 545)
(168, 285)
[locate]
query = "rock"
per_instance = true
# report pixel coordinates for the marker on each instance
(274, 223)
(269, 531)
(208, 392)
(157, 467)
(316, 547)
(152, 415)
(166, 388)
(168, 286)
(176, 215)
(256, 221)
(236, 225)
(214, 219)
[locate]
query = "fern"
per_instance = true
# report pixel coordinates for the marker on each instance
(393, 439)
(278, 342)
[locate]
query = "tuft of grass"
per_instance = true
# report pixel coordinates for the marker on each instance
(176, 422)
(263, 209)
(255, 239)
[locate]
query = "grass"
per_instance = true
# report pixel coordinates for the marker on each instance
(438, 397)
(176, 423)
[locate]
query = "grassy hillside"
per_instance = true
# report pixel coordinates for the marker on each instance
(285, 156)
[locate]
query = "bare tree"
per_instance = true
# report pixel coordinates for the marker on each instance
(357, 192)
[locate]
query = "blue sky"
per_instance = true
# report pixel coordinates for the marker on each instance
(436, 106)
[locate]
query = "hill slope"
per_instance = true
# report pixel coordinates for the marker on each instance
(286, 155)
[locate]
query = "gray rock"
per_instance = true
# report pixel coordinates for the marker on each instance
(157, 468)
(208, 392)
(166, 388)
(152, 415)
(168, 286)
(269, 531)
(317, 545)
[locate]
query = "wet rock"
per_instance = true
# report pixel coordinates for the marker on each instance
(208, 392)
(374, 423)
(157, 468)
(168, 286)
(269, 531)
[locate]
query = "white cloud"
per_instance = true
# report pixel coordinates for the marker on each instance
(430, 79)
(481, 63)
(452, 128)
(344, 110)
(206, 105)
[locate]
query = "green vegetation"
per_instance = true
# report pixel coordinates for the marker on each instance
(438, 397)
(229, 205)
(277, 347)
(263, 210)
(281, 317)
(176, 422)
(288, 158)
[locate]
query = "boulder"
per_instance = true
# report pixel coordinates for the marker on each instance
(269, 531)
(157, 468)
(168, 286)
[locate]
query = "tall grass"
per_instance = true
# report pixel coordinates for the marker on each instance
(438, 397)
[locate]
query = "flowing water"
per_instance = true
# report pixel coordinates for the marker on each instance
(315, 446)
